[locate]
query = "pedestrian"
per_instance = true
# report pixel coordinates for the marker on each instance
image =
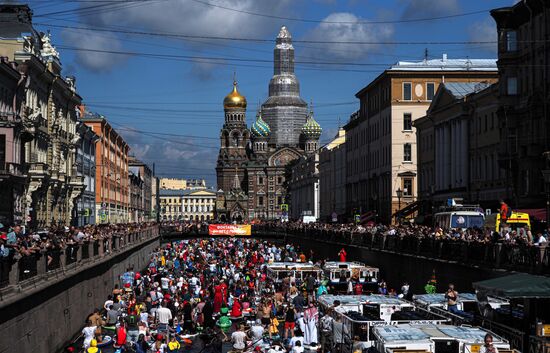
(238, 338)
(488, 346)
(452, 299)
(290, 321)
(342, 254)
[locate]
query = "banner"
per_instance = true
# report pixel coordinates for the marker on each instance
(230, 229)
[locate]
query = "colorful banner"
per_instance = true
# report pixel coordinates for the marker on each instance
(230, 229)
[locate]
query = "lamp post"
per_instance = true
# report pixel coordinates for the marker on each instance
(546, 175)
(399, 193)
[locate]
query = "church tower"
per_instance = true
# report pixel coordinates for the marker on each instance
(234, 138)
(260, 134)
(311, 132)
(284, 110)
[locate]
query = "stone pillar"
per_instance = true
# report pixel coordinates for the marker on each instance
(102, 249)
(446, 156)
(465, 172)
(14, 272)
(42, 263)
(452, 156)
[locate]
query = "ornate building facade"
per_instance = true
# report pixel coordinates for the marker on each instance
(41, 122)
(252, 162)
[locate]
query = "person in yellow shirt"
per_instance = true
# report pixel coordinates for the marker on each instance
(93, 347)
(163, 260)
(273, 327)
(173, 345)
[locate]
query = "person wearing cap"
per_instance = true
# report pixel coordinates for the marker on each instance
(93, 347)
(257, 333)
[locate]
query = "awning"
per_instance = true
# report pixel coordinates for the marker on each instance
(521, 285)
(536, 213)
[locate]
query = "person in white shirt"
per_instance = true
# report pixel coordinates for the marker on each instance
(298, 348)
(88, 332)
(163, 316)
(238, 338)
(257, 333)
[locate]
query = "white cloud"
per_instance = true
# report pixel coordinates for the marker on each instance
(430, 8)
(190, 18)
(94, 61)
(351, 30)
(204, 70)
(483, 31)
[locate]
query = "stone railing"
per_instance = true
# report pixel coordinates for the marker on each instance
(32, 270)
(524, 258)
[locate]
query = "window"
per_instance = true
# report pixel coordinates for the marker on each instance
(407, 91)
(279, 180)
(430, 90)
(260, 200)
(279, 200)
(407, 187)
(407, 121)
(2, 149)
(260, 180)
(512, 86)
(407, 152)
(511, 41)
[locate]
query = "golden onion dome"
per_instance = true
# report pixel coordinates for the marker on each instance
(234, 99)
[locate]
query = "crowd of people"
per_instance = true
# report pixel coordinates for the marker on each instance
(522, 236)
(207, 292)
(18, 243)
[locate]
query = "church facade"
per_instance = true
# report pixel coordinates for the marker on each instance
(251, 162)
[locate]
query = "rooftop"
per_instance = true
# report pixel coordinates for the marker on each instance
(185, 192)
(446, 64)
(462, 89)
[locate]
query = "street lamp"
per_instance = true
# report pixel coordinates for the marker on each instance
(546, 175)
(399, 194)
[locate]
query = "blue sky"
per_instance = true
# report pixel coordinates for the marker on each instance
(168, 103)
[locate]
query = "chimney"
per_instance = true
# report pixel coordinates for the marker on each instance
(444, 56)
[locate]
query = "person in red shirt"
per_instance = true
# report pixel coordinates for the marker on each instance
(358, 288)
(236, 310)
(504, 211)
(120, 335)
(342, 255)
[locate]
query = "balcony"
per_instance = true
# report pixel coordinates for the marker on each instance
(8, 170)
(38, 168)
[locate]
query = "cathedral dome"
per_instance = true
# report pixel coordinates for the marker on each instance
(260, 127)
(311, 129)
(234, 99)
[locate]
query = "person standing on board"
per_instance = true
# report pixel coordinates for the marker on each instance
(342, 255)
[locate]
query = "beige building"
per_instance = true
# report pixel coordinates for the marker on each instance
(182, 184)
(381, 141)
(187, 205)
(332, 178)
(47, 108)
(457, 146)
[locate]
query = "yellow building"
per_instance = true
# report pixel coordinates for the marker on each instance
(182, 184)
(187, 205)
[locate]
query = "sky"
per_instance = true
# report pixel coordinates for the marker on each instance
(158, 70)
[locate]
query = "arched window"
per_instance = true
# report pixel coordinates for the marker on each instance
(235, 140)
